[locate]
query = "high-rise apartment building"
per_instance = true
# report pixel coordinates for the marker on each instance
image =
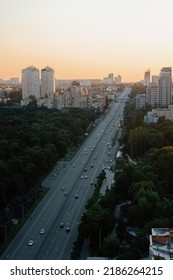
(111, 78)
(155, 79)
(152, 94)
(30, 82)
(147, 77)
(119, 79)
(165, 86)
(47, 82)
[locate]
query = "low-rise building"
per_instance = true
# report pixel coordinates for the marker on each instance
(155, 114)
(161, 244)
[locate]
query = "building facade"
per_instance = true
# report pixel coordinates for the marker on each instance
(165, 86)
(161, 244)
(155, 79)
(119, 79)
(147, 77)
(47, 82)
(30, 83)
(154, 115)
(152, 95)
(140, 100)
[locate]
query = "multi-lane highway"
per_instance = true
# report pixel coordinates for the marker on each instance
(52, 229)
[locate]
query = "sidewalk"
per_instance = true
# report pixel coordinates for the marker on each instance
(107, 183)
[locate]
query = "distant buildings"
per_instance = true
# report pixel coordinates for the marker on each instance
(159, 92)
(110, 80)
(13, 82)
(51, 93)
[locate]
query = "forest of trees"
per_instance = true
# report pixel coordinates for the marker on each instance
(32, 140)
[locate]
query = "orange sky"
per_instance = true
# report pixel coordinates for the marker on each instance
(86, 39)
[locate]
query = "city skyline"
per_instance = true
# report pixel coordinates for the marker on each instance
(86, 39)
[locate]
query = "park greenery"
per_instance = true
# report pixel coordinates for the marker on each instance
(32, 140)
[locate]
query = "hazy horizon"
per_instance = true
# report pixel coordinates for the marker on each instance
(86, 39)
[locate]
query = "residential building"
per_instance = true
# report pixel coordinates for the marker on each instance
(140, 100)
(155, 114)
(119, 79)
(165, 86)
(68, 83)
(30, 83)
(116, 80)
(161, 244)
(111, 78)
(147, 77)
(152, 94)
(47, 82)
(155, 79)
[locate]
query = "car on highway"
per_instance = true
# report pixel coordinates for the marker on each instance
(85, 176)
(76, 196)
(67, 229)
(61, 225)
(65, 194)
(31, 242)
(42, 231)
(82, 176)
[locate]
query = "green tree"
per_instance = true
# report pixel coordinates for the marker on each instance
(97, 224)
(111, 246)
(138, 141)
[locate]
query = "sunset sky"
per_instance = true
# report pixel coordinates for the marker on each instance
(83, 39)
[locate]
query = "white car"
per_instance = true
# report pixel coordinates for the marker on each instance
(31, 242)
(85, 176)
(82, 176)
(42, 231)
